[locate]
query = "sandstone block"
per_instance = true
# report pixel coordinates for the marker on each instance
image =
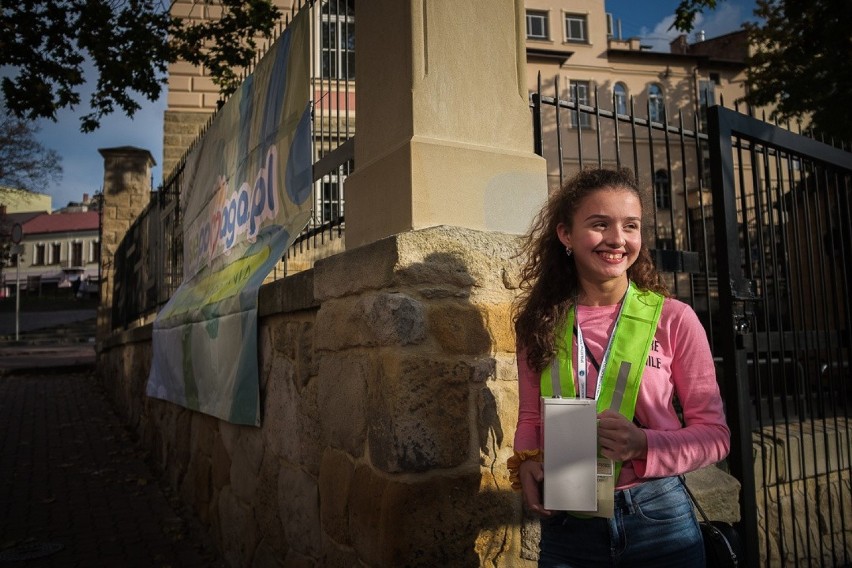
(364, 268)
(335, 481)
(229, 433)
(265, 506)
(459, 328)
(204, 429)
(499, 322)
(442, 521)
(506, 368)
(393, 318)
(366, 510)
(717, 492)
(221, 464)
(291, 421)
(298, 507)
(372, 319)
(266, 556)
(245, 465)
(294, 340)
(458, 256)
(418, 414)
(342, 400)
(237, 528)
(196, 488)
(337, 556)
(497, 405)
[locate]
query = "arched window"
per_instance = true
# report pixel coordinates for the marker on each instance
(337, 32)
(619, 94)
(655, 102)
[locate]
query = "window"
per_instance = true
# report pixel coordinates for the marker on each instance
(76, 254)
(338, 39)
(537, 25)
(55, 253)
(664, 240)
(662, 190)
(39, 255)
(94, 251)
(330, 202)
(656, 105)
(575, 28)
(706, 99)
(579, 92)
(619, 98)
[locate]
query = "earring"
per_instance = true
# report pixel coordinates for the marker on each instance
(569, 251)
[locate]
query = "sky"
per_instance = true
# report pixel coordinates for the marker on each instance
(83, 165)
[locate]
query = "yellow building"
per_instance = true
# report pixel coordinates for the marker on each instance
(572, 46)
(23, 201)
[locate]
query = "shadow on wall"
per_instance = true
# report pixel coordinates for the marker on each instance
(437, 491)
(387, 409)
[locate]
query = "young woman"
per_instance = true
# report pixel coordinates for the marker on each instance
(582, 254)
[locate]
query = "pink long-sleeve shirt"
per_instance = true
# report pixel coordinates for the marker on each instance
(679, 362)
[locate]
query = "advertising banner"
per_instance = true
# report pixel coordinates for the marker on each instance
(244, 197)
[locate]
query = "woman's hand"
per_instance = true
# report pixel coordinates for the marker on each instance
(531, 474)
(619, 438)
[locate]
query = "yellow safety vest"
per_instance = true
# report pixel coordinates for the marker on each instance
(625, 361)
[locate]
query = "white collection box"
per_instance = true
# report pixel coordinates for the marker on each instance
(570, 454)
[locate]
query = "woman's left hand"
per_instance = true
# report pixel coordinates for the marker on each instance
(619, 438)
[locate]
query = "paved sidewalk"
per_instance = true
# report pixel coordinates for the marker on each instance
(32, 321)
(75, 488)
(32, 358)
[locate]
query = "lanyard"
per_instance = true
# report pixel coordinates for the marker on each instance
(582, 367)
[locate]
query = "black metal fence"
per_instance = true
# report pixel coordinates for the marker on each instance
(735, 200)
(148, 263)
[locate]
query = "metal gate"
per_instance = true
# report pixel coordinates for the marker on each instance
(781, 202)
(750, 226)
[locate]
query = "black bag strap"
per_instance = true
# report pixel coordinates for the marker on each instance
(694, 500)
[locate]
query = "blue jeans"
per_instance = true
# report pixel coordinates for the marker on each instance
(654, 525)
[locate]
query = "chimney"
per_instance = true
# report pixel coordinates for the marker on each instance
(679, 44)
(699, 36)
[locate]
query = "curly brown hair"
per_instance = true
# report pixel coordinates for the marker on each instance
(549, 281)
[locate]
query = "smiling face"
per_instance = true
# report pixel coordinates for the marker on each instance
(605, 236)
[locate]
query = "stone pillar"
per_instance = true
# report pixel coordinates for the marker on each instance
(127, 190)
(444, 128)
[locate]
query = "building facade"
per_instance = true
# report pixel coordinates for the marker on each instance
(574, 52)
(61, 255)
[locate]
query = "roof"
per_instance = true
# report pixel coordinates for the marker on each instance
(62, 223)
(701, 60)
(557, 55)
(22, 218)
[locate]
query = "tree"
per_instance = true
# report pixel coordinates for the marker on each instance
(24, 162)
(800, 63)
(129, 42)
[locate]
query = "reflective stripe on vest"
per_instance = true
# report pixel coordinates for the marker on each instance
(633, 336)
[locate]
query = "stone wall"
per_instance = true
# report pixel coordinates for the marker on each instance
(803, 493)
(389, 400)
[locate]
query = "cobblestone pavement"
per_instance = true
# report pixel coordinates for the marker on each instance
(75, 490)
